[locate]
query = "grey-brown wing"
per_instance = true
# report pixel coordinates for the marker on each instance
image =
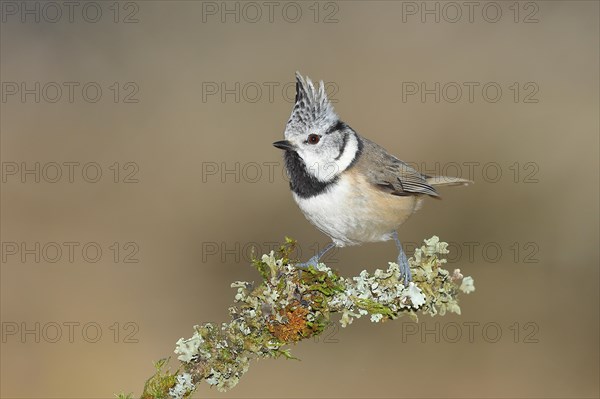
(391, 174)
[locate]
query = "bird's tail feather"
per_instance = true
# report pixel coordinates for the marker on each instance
(447, 181)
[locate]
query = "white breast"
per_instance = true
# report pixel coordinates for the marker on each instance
(352, 211)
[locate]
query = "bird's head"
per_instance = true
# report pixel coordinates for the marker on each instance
(315, 134)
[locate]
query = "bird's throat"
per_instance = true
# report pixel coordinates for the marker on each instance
(302, 183)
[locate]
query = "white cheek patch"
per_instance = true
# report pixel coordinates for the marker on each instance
(328, 169)
(325, 168)
(349, 152)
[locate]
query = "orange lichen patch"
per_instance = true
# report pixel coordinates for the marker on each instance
(295, 328)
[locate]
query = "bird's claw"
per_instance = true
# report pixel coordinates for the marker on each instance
(305, 265)
(405, 273)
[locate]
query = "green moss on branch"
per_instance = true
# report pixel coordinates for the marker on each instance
(289, 305)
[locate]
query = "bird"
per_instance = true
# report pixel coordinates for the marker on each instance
(347, 186)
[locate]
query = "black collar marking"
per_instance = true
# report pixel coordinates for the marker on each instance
(301, 182)
(358, 150)
(338, 126)
(304, 184)
(343, 146)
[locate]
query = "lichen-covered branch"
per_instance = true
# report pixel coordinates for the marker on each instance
(290, 305)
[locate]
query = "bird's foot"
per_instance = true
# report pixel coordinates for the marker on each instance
(314, 261)
(402, 261)
(404, 266)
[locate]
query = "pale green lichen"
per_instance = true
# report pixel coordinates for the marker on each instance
(290, 305)
(183, 386)
(188, 348)
(467, 285)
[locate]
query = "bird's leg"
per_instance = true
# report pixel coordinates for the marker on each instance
(315, 259)
(402, 261)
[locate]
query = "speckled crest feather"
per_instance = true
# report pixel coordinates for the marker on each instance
(312, 107)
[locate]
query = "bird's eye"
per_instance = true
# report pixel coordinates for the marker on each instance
(313, 138)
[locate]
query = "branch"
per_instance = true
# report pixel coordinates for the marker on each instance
(291, 305)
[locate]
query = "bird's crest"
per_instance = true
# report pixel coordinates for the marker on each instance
(312, 107)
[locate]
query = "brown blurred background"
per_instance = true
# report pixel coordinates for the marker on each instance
(182, 133)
